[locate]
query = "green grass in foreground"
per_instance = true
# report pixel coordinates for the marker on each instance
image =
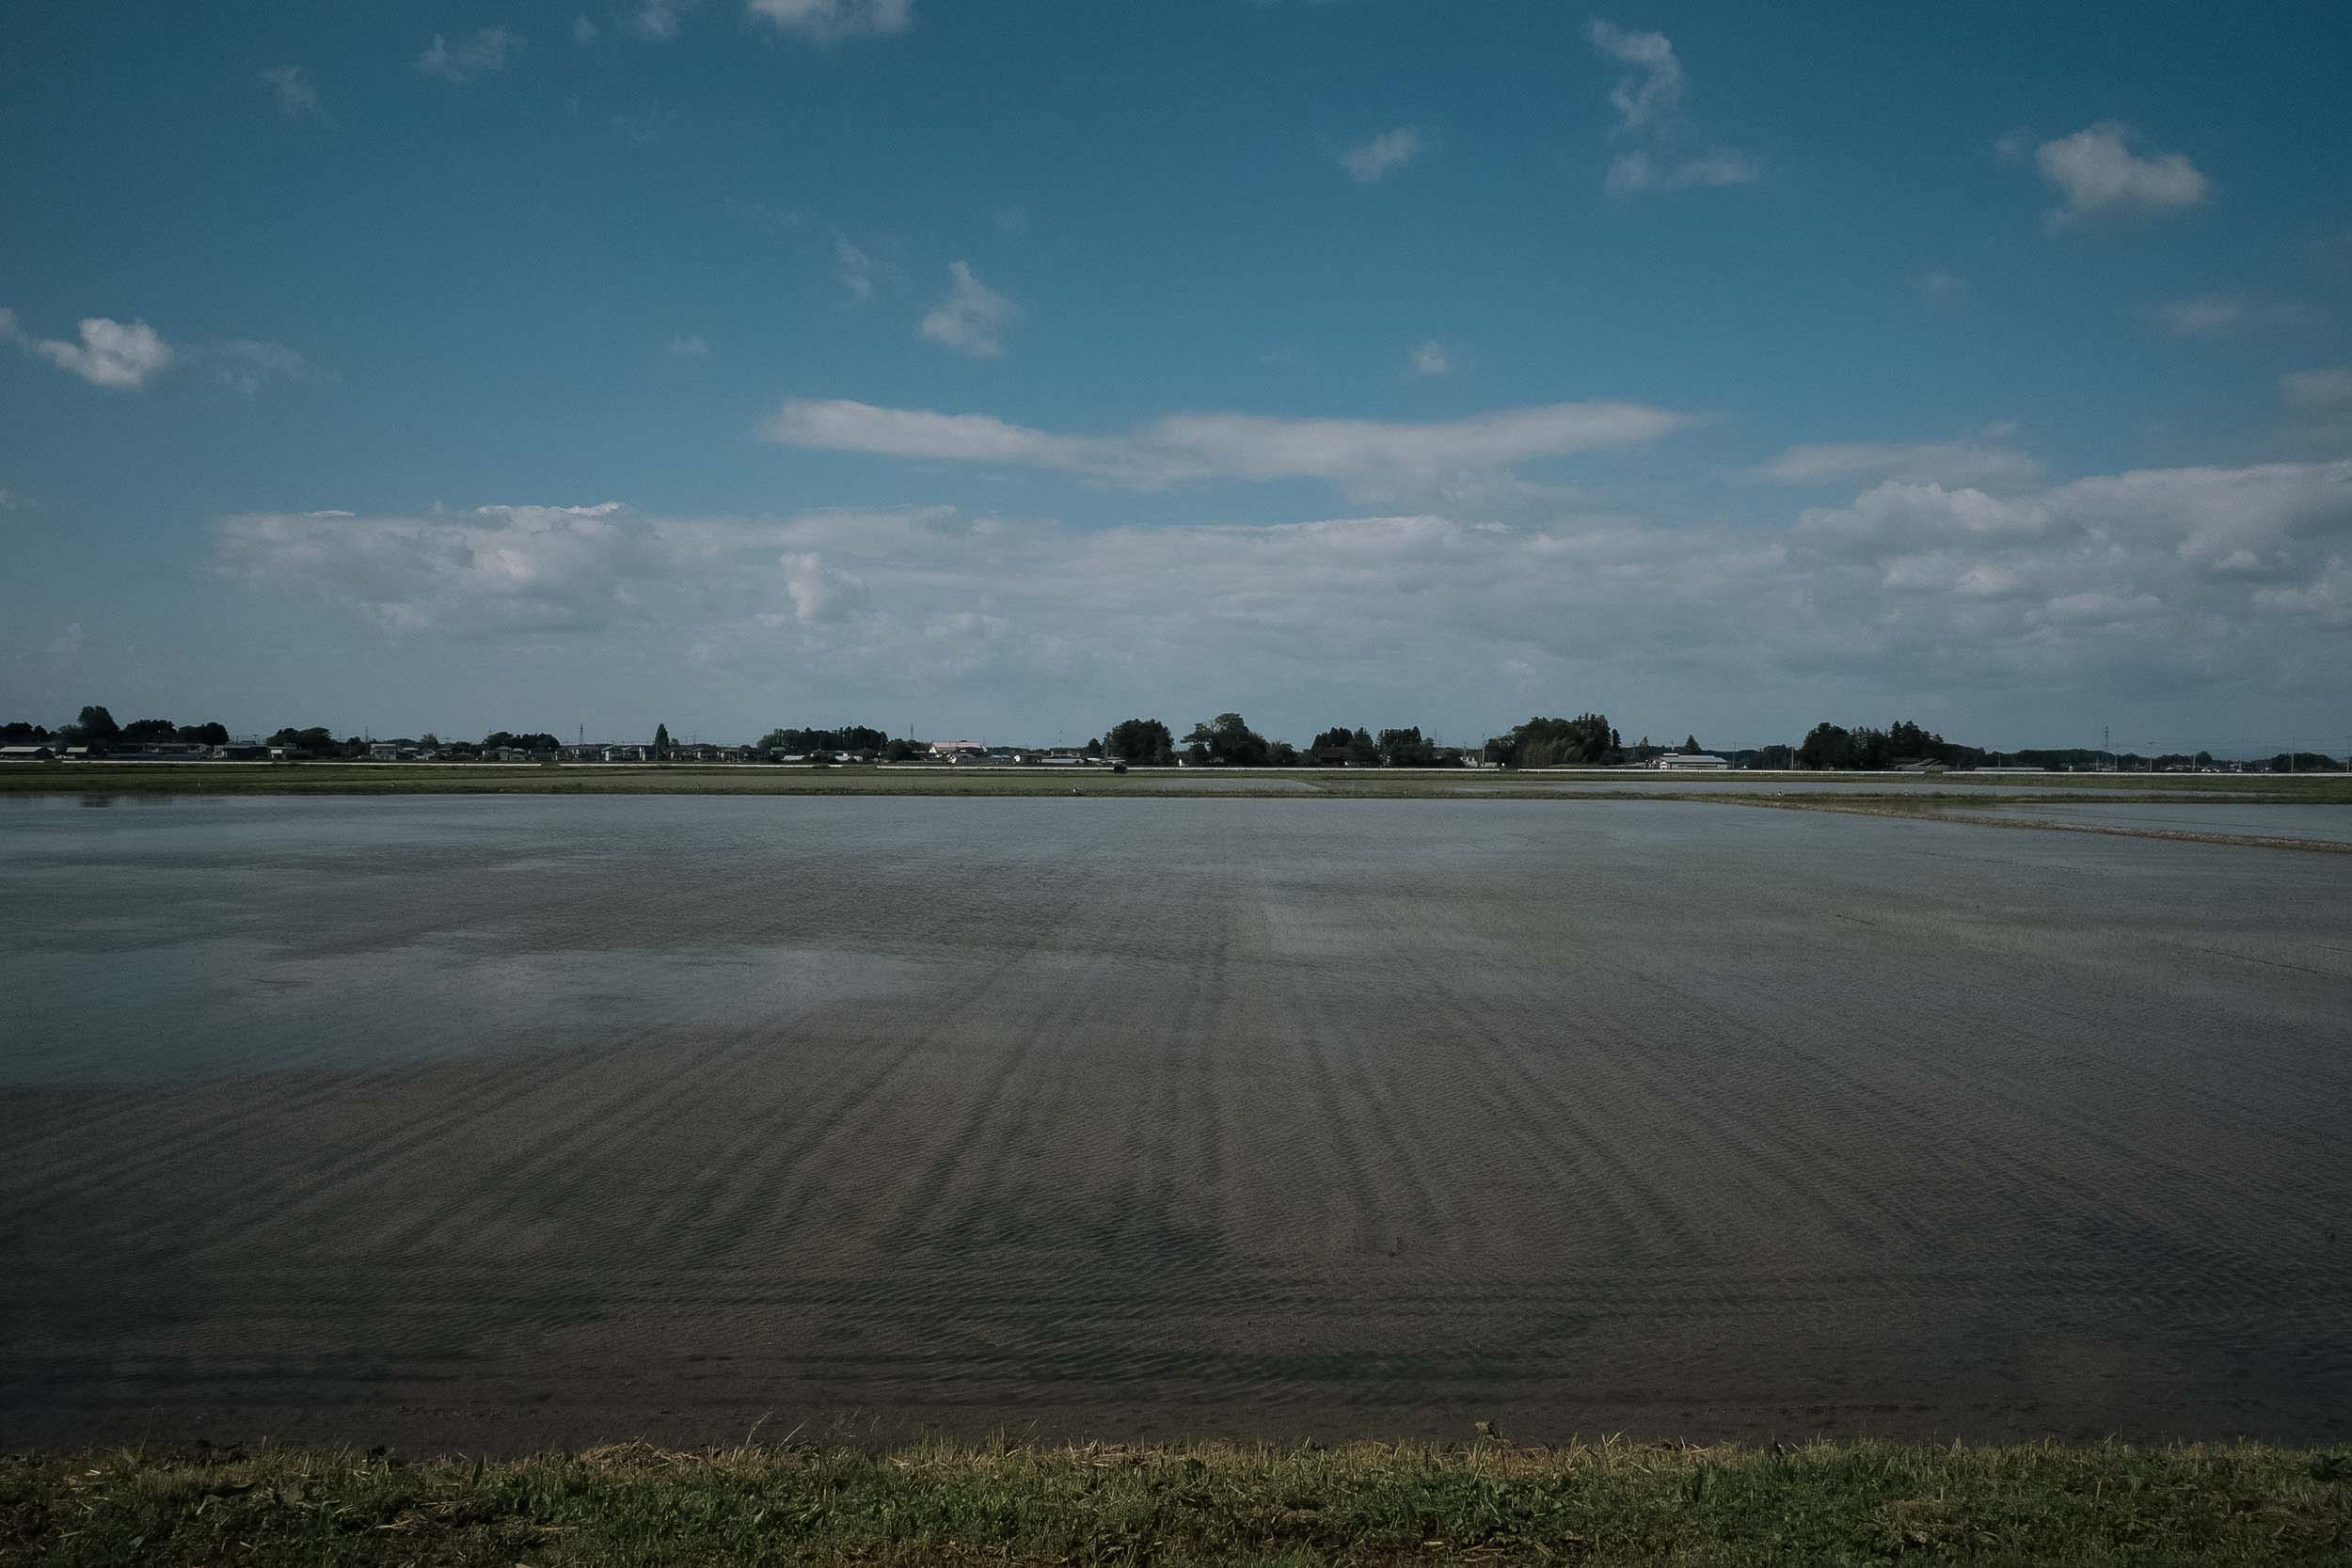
(1602, 1503)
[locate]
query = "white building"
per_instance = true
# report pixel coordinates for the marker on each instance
(1685, 761)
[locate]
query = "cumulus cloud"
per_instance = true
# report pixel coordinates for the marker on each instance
(1190, 447)
(481, 54)
(1367, 162)
(1945, 462)
(1648, 102)
(2225, 315)
(1652, 90)
(825, 20)
(289, 85)
(1429, 359)
(110, 353)
(2101, 177)
(971, 318)
(2177, 581)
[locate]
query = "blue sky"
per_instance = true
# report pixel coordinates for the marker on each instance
(1009, 369)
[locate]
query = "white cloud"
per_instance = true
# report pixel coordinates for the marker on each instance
(110, 353)
(2100, 176)
(482, 53)
(2223, 315)
(1653, 90)
(824, 20)
(1638, 170)
(1367, 162)
(585, 32)
(296, 98)
(1935, 286)
(1943, 462)
(1429, 359)
(2330, 387)
(855, 268)
(1648, 100)
(688, 347)
(971, 318)
(657, 20)
(1913, 593)
(247, 364)
(1191, 447)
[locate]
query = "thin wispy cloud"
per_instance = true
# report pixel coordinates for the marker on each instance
(482, 54)
(585, 32)
(1191, 447)
(828, 20)
(296, 98)
(1659, 151)
(2227, 315)
(1429, 359)
(1936, 286)
(2328, 388)
(2101, 177)
(971, 318)
(246, 365)
(1917, 462)
(855, 268)
(1367, 163)
(688, 347)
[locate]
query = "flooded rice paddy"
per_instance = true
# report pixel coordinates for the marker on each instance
(498, 1122)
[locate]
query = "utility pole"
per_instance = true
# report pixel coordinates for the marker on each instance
(2108, 746)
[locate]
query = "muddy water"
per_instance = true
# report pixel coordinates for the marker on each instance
(501, 1123)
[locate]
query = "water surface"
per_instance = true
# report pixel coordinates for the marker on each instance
(491, 1122)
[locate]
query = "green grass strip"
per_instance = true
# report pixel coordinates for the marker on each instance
(1605, 1502)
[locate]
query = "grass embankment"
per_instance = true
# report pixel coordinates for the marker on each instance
(315, 777)
(1605, 1503)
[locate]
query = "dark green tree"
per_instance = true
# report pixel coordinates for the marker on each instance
(1145, 742)
(1227, 741)
(1826, 745)
(96, 723)
(661, 743)
(1689, 746)
(1406, 747)
(1583, 741)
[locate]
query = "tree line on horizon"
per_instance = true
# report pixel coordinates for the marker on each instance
(1587, 740)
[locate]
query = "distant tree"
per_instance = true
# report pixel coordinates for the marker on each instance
(1333, 742)
(313, 742)
(211, 734)
(1281, 754)
(1093, 749)
(1826, 745)
(1227, 741)
(797, 742)
(1143, 741)
(147, 729)
(429, 740)
(96, 723)
(1406, 748)
(537, 740)
(661, 743)
(898, 750)
(1689, 746)
(1583, 741)
(18, 731)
